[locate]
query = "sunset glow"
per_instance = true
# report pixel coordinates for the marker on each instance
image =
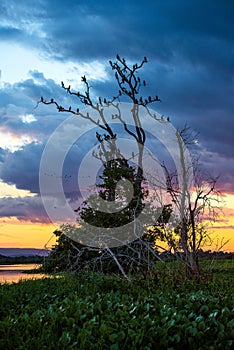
(189, 66)
(15, 234)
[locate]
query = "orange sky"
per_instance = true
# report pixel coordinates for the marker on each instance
(14, 234)
(18, 234)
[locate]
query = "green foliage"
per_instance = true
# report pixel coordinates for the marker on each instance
(68, 254)
(113, 172)
(93, 311)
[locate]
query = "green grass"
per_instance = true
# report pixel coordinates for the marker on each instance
(93, 311)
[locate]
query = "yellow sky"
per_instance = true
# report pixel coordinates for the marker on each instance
(223, 235)
(18, 234)
(15, 234)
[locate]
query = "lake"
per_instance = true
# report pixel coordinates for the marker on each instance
(14, 273)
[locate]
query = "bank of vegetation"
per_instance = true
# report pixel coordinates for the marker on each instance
(97, 311)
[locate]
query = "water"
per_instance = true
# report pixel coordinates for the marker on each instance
(13, 273)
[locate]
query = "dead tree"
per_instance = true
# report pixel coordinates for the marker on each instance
(129, 85)
(194, 204)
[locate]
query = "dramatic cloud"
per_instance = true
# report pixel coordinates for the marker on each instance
(22, 167)
(190, 47)
(24, 209)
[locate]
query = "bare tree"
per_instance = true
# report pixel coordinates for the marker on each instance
(129, 85)
(195, 201)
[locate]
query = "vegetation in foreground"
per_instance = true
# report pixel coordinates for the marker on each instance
(95, 311)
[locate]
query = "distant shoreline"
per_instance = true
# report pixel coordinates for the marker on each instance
(14, 256)
(25, 252)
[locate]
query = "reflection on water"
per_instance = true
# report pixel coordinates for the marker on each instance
(14, 273)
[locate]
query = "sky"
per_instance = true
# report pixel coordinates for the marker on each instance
(190, 51)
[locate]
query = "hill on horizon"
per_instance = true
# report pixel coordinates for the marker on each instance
(14, 252)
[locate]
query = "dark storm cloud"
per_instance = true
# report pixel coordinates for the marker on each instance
(22, 98)
(190, 47)
(22, 167)
(2, 154)
(99, 29)
(159, 29)
(24, 209)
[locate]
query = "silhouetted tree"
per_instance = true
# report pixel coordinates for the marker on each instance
(129, 85)
(193, 204)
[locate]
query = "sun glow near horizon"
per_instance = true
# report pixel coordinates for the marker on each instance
(16, 233)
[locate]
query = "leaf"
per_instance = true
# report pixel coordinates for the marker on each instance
(113, 337)
(114, 346)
